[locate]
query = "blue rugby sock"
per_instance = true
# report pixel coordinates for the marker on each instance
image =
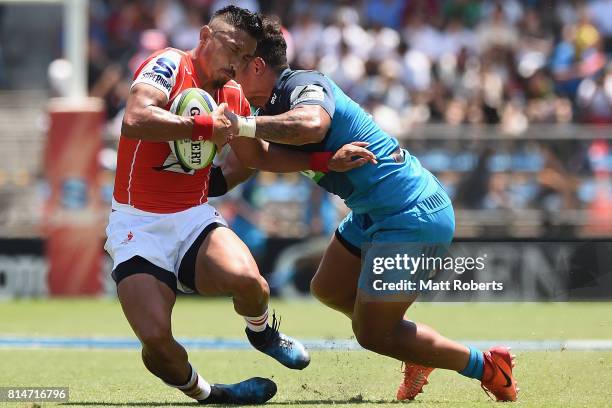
(475, 365)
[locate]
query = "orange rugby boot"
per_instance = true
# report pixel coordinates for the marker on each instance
(497, 377)
(415, 377)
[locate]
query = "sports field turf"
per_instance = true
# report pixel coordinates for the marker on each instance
(117, 378)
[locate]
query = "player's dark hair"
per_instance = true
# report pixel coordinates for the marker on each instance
(241, 19)
(272, 48)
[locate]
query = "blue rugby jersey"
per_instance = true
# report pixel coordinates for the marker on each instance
(384, 188)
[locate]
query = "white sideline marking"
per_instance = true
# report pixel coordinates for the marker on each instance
(108, 343)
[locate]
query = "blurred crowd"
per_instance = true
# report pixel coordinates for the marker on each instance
(507, 63)
(511, 64)
(408, 62)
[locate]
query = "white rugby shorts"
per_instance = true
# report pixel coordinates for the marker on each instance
(162, 239)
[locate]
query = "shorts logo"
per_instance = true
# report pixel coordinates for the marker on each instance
(128, 239)
(164, 67)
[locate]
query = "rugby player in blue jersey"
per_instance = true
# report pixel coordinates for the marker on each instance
(392, 199)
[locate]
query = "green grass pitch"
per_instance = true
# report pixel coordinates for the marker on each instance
(117, 378)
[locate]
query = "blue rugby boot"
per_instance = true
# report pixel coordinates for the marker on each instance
(255, 390)
(284, 349)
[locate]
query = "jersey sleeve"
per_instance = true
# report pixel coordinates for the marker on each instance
(160, 71)
(233, 95)
(310, 88)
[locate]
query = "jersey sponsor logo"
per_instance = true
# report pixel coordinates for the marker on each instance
(160, 73)
(165, 67)
(173, 164)
(305, 93)
(158, 79)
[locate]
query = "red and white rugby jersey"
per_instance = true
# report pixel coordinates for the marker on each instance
(149, 176)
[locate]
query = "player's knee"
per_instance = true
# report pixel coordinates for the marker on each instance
(247, 281)
(321, 292)
(370, 339)
(155, 336)
(253, 285)
(331, 298)
(317, 290)
(325, 298)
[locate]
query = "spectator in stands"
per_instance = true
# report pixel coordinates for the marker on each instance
(473, 189)
(595, 98)
(497, 31)
(422, 36)
(186, 35)
(308, 36)
(321, 214)
(244, 217)
(600, 11)
(387, 13)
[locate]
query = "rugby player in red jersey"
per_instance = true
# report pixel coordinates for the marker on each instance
(163, 236)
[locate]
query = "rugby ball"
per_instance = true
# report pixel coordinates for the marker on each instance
(193, 155)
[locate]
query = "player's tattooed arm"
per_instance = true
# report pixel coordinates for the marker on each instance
(302, 125)
(261, 155)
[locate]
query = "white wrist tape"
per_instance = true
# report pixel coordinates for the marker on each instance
(246, 126)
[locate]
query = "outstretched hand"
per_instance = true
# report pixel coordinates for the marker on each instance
(351, 156)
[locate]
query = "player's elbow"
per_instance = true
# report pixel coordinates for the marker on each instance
(131, 124)
(314, 130)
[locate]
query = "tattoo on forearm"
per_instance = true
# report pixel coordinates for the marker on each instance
(292, 128)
